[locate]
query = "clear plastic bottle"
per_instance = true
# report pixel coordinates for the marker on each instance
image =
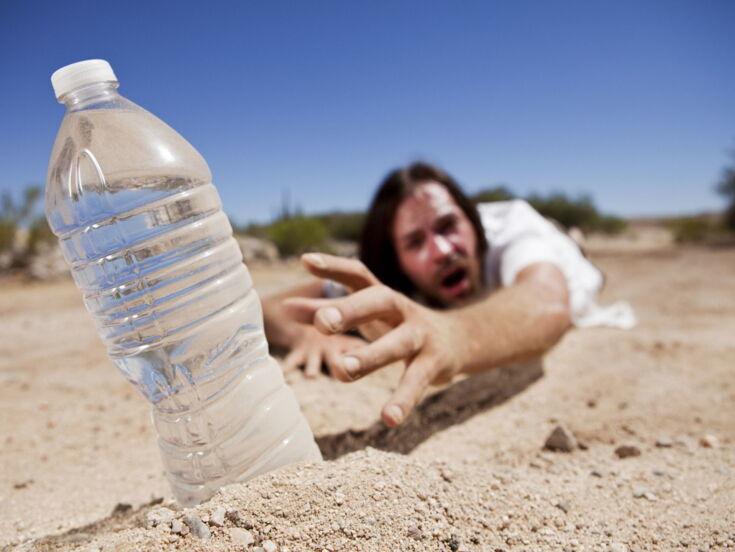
(142, 227)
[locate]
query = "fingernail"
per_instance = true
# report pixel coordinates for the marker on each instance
(331, 317)
(314, 259)
(351, 365)
(395, 413)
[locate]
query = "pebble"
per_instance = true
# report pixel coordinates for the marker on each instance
(664, 442)
(159, 516)
(617, 547)
(560, 440)
(217, 517)
(269, 546)
(237, 519)
(564, 506)
(643, 492)
(709, 441)
(627, 451)
(179, 528)
(198, 529)
(242, 537)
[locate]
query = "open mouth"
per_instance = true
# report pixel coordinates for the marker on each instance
(456, 282)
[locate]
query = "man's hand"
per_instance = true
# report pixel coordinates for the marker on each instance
(312, 348)
(429, 342)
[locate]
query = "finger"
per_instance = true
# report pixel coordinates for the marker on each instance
(313, 363)
(413, 384)
(346, 313)
(401, 343)
(293, 360)
(339, 315)
(349, 272)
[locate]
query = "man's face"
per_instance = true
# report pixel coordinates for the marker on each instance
(436, 245)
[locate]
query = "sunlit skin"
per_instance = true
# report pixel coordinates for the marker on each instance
(436, 245)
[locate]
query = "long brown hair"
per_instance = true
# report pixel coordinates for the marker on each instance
(377, 250)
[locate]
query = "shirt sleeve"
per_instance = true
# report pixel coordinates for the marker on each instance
(522, 253)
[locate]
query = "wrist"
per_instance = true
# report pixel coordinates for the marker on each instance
(463, 341)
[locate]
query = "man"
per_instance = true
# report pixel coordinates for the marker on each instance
(441, 285)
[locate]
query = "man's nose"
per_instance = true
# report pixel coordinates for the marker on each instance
(441, 247)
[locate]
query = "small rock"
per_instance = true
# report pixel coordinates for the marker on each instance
(664, 442)
(564, 506)
(179, 528)
(709, 441)
(339, 498)
(617, 547)
(596, 473)
(22, 484)
(560, 440)
(237, 519)
(243, 537)
(198, 529)
(159, 516)
(642, 492)
(627, 451)
(269, 546)
(121, 508)
(217, 517)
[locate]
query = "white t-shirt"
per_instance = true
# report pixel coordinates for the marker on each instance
(518, 236)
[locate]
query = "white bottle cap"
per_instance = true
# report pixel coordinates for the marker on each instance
(78, 74)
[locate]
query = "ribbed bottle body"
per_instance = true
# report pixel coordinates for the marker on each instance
(153, 253)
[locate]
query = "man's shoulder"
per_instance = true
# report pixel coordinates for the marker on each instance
(499, 214)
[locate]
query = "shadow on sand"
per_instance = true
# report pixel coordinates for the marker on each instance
(450, 406)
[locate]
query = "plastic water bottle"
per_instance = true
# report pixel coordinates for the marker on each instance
(142, 227)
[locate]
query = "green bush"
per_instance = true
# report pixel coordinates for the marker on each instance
(39, 232)
(7, 234)
(298, 234)
(691, 229)
(343, 226)
(498, 193)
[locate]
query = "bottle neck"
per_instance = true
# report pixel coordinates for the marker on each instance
(85, 96)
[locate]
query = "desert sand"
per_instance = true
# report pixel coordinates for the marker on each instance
(80, 466)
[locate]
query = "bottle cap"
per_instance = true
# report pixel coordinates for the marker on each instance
(78, 74)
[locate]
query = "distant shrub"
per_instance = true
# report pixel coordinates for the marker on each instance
(569, 212)
(296, 235)
(7, 234)
(18, 214)
(343, 226)
(726, 188)
(498, 193)
(695, 229)
(39, 232)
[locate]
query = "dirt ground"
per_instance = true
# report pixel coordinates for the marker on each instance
(80, 467)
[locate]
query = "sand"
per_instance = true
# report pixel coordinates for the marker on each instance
(80, 467)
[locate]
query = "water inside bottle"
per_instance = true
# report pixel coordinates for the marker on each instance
(163, 277)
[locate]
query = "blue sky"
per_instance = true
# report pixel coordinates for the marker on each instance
(632, 102)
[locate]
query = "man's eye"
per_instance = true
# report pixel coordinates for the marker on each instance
(446, 225)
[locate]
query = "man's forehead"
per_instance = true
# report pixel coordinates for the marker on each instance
(426, 203)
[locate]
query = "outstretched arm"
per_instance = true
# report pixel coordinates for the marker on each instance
(520, 321)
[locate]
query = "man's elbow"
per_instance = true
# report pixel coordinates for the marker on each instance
(557, 318)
